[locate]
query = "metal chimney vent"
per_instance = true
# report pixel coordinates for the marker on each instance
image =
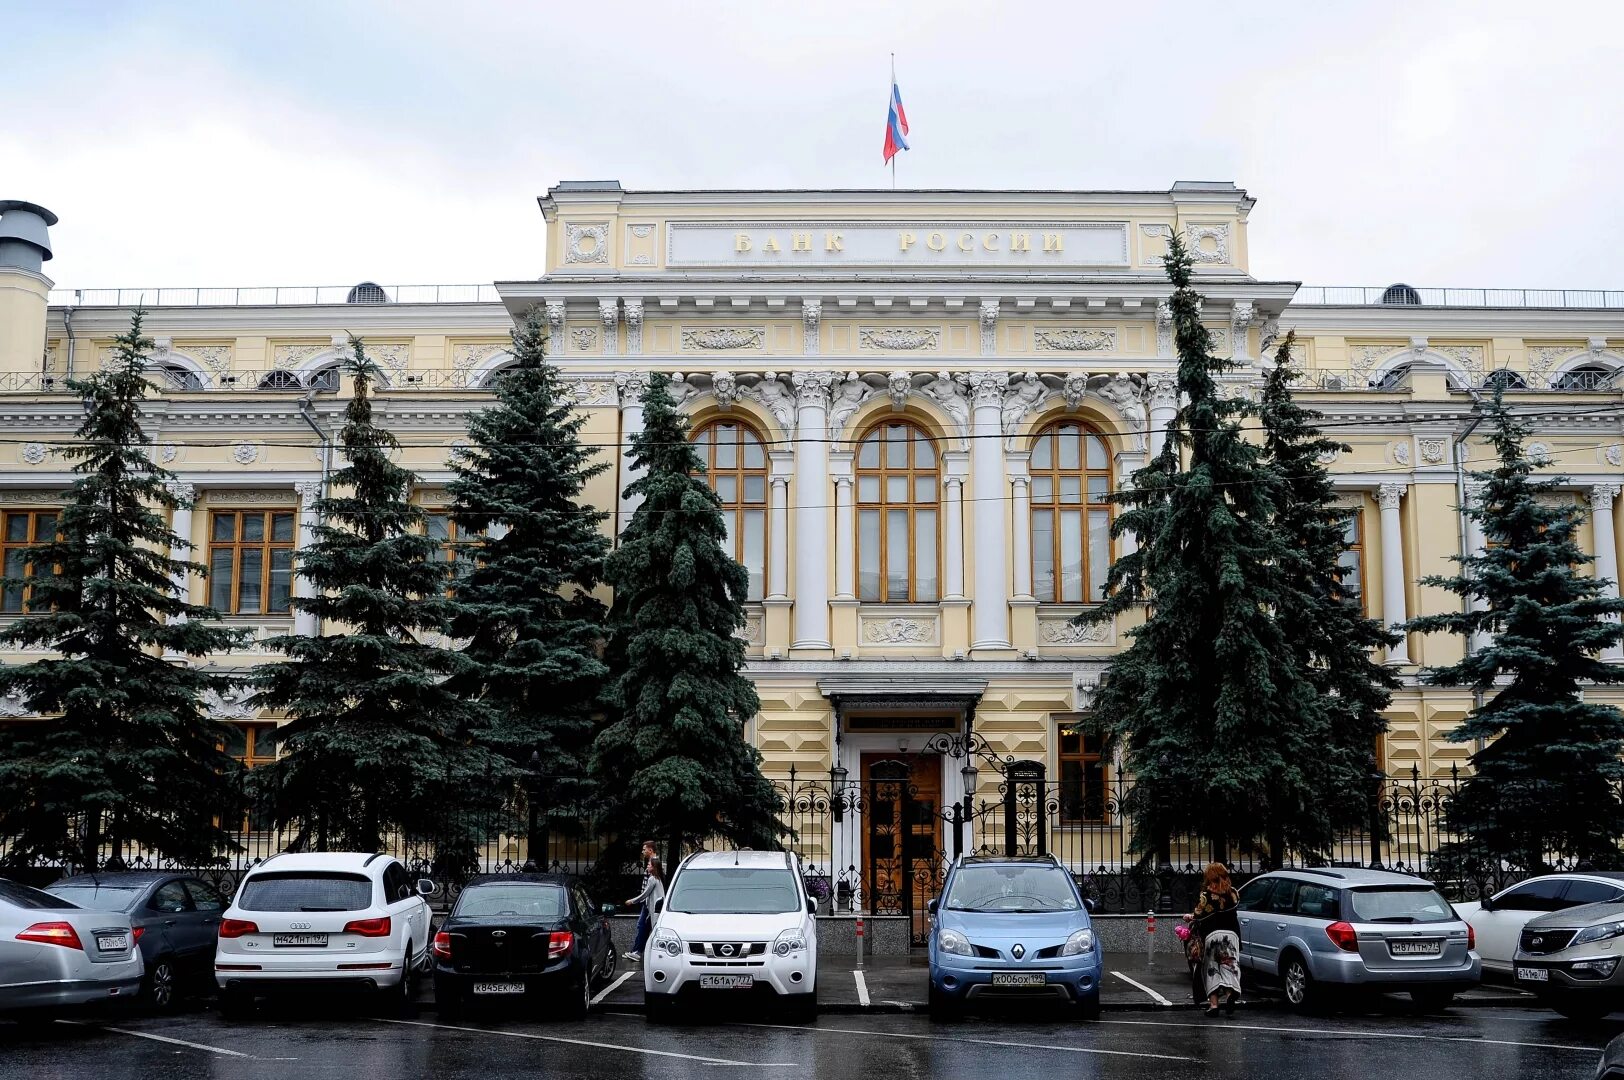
(25, 243)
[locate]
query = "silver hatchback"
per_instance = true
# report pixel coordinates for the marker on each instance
(56, 955)
(1323, 931)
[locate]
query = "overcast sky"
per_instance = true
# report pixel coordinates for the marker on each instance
(324, 143)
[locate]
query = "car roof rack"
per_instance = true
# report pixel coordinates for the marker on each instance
(1316, 871)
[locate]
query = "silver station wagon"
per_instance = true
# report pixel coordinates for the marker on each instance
(1319, 933)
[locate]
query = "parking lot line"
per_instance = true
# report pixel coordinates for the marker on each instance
(1345, 1033)
(862, 988)
(975, 1042)
(1154, 996)
(612, 987)
(162, 1038)
(701, 1058)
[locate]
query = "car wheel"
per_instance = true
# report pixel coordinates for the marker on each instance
(401, 999)
(236, 1005)
(803, 1008)
(1088, 1007)
(1432, 1001)
(1582, 1006)
(943, 1007)
(448, 1003)
(610, 962)
(1301, 994)
(659, 1008)
(158, 987)
(578, 1003)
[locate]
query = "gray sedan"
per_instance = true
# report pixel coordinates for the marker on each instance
(176, 919)
(56, 955)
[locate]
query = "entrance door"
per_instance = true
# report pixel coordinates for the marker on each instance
(902, 835)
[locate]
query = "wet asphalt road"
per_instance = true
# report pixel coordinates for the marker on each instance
(336, 1041)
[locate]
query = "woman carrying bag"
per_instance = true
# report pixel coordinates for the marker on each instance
(1215, 926)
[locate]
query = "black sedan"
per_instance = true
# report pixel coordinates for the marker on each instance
(175, 918)
(520, 938)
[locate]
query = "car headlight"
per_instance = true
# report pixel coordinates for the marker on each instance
(789, 941)
(951, 941)
(668, 942)
(1079, 943)
(1599, 932)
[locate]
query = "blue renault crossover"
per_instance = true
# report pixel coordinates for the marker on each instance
(1011, 927)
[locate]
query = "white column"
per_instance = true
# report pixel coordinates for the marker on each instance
(305, 623)
(953, 572)
(811, 622)
(1164, 407)
(1601, 523)
(180, 523)
(1476, 544)
(990, 604)
(1388, 496)
(845, 542)
(1022, 555)
(630, 384)
(778, 540)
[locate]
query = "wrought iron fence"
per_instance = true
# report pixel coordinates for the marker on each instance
(1457, 297)
(881, 845)
(275, 295)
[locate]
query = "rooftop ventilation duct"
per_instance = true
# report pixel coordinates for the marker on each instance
(367, 293)
(1401, 294)
(25, 243)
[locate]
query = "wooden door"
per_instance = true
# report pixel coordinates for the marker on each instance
(902, 835)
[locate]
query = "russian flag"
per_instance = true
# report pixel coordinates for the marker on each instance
(896, 125)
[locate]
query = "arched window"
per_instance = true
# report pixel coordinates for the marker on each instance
(1071, 516)
(897, 517)
(1504, 379)
(280, 380)
(1585, 377)
(736, 469)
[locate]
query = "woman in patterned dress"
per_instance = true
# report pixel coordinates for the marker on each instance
(1217, 928)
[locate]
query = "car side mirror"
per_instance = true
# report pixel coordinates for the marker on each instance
(1487, 904)
(811, 906)
(608, 910)
(425, 887)
(1090, 905)
(659, 906)
(932, 906)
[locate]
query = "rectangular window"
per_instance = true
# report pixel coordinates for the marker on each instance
(1352, 560)
(20, 530)
(251, 561)
(1083, 793)
(868, 554)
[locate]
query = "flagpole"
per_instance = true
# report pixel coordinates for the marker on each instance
(888, 92)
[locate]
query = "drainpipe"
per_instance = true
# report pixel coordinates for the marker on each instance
(67, 321)
(306, 413)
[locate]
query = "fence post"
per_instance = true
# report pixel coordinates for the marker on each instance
(961, 810)
(1376, 823)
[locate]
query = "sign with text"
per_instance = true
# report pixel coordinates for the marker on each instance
(897, 243)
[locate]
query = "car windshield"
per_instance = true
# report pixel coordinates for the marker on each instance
(734, 890)
(511, 901)
(1401, 904)
(99, 897)
(305, 892)
(24, 897)
(1012, 888)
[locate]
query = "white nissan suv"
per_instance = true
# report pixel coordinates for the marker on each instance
(329, 921)
(734, 923)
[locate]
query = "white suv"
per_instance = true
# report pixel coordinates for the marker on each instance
(734, 923)
(326, 921)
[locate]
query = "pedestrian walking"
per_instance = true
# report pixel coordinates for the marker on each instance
(653, 892)
(1216, 931)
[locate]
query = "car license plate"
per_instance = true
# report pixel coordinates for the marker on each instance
(112, 942)
(1533, 975)
(1019, 978)
(310, 940)
(1416, 948)
(726, 982)
(499, 988)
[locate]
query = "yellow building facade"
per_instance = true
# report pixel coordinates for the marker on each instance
(912, 404)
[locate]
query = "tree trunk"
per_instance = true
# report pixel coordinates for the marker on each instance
(90, 843)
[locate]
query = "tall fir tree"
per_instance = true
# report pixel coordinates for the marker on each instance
(672, 762)
(377, 736)
(1545, 784)
(1320, 609)
(126, 753)
(1207, 699)
(534, 551)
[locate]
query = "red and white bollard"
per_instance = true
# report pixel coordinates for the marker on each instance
(859, 941)
(1150, 938)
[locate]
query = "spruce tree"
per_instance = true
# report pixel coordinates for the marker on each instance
(125, 753)
(1545, 785)
(672, 762)
(533, 628)
(1320, 611)
(1207, 698)
(377, 738)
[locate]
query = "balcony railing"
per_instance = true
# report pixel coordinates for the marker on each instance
(277, 295)
(1408, 296)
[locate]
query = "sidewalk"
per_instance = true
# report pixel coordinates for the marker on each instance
(1132, 983)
